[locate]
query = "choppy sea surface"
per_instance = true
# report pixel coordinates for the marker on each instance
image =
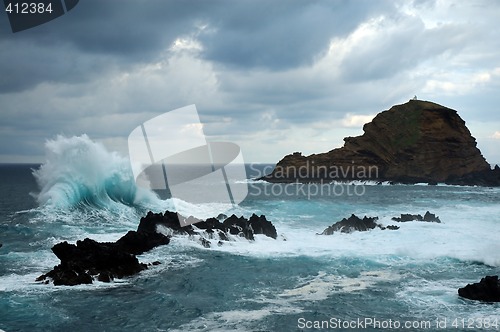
(380, 279)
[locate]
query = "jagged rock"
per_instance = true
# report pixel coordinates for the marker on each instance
(105, 276)
(431, 217)
(86, 260)
(418, 141)
(488, 290)
(239, 226)
(353, 223)
(231, 225)
(210, 224)
(169, 219)
(261, 225)
(90, 258)
(138, 242)
(223, 236)
(428, 217)
(392, 227)
(408, 217)
(204, 242)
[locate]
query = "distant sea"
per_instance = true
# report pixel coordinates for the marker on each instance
(300, 281)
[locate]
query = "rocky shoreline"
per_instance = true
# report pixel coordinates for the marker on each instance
(89, 260)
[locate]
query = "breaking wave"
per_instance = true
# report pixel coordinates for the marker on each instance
(80, 172)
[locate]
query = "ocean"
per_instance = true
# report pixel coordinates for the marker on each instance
(405, 279)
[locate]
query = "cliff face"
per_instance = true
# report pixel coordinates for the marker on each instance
(418, 141)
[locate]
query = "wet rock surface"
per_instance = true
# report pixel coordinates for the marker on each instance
(89, 260)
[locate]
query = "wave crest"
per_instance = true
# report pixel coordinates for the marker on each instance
(79, 171)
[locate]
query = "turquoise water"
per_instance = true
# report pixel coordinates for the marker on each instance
(300, 279)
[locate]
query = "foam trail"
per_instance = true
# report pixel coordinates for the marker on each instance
(78, 171)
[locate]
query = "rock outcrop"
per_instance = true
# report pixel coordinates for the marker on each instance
(215, 228)
(354, 223)
(428, 217)
(351, 224)
(487, 290)
(418, 141)
(87, 260)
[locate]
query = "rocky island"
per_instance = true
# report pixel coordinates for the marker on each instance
(415, 142)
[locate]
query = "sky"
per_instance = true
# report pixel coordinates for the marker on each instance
(274, 77)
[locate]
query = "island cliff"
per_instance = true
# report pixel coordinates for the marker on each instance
(418, 141)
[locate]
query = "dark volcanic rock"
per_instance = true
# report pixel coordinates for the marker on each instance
(151, 221)
(353, 223)
(392, 227)
(136, 243)
(261, 225)
(418, 141)
(428, 217)
(488, 290)
(431, 217)
(239, 226)
(231, 225)
(90, 258)
(204, 242)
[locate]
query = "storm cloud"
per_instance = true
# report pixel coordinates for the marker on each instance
(272, 76)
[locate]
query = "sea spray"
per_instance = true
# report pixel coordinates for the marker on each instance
(78, 171)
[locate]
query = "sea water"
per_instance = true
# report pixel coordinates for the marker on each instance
(380, 279)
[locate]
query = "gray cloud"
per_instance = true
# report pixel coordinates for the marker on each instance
(100, 35)
(282, 34)
(273, 76)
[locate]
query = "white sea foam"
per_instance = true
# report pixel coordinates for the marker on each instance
(466, 233)
(324, 285)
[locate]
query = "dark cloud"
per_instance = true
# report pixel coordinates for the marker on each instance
(98, 36)
(273, 76)
(282, 34)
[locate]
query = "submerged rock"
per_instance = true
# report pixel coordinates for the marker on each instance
(392, 227)
(261, 225)
(428, 217)
(353, 223)
(88, 258)
(488, 290)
